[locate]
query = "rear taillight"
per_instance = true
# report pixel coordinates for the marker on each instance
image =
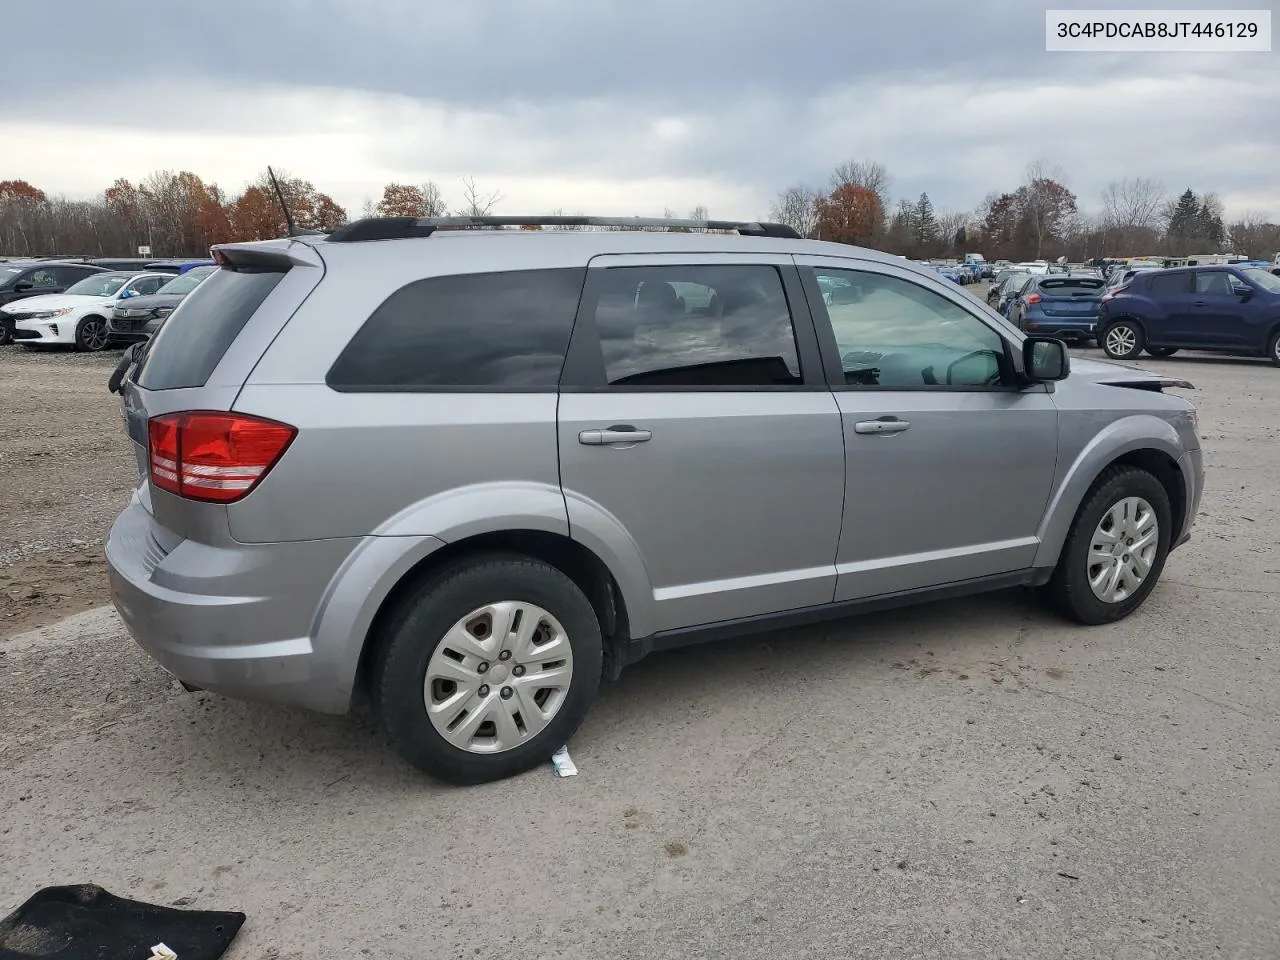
(214, 457)
(1033, 298)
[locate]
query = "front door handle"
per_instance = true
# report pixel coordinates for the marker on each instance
(1199, 303)
(623, 433)
(882, 425)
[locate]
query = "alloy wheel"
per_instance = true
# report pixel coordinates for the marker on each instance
(93, 334)
(1121, 339)
(1123, 549)
(498, 677)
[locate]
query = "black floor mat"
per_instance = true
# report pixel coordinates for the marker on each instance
(87, 923)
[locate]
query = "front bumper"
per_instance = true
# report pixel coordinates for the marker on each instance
(45, 331)
(1191, 464)
(232, 619)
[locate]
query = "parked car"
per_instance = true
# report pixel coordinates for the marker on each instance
(952, 273)
(1217, 308)
(78, 316)
(1058, 305)
(139, 318)
(582, 458)
(1123, 274)
(1006, 289)
(21, 280)
(176, 266)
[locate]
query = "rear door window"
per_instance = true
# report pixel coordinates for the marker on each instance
(194, 338)
(480, 331)
(696, 326)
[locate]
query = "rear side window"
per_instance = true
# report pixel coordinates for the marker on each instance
(1167, 284)
(192, 341)
(477, 330)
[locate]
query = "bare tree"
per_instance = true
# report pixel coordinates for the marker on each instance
(1133, 203)
(797, 207)
(475, 203)
(433, 204)
(1255, 236)
(699, 213)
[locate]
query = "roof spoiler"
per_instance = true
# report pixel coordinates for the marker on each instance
(402, 228)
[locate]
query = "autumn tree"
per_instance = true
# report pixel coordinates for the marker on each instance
(256, 216)
(410, 200)
(851, 214)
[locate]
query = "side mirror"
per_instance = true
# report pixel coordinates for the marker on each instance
(1045, 359)
(1243, 291)
(23, 286)
(126, 294)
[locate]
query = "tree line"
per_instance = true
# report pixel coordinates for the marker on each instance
(1039, 218)
(178, 214)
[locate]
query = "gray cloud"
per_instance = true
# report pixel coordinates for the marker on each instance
(954, 99)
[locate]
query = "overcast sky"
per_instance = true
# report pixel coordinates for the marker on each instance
(620, 106)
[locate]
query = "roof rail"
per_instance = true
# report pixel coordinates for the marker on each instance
(401, 228)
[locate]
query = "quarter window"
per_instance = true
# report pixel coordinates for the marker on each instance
(477, 330)
(696, 326)
(1170, 284)
(895, 333)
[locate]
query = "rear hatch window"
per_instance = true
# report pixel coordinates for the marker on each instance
(1071, 286)
(186, 350)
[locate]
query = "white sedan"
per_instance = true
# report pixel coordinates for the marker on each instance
(78, 317)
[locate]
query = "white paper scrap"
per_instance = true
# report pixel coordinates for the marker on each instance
(562, 765)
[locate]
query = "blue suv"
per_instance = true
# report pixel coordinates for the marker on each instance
(1228, 309)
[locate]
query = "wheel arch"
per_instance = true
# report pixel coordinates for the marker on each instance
(1144, 441)
(591, 575)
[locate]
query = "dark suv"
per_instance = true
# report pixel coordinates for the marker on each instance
(1229, 309)
(34, 278)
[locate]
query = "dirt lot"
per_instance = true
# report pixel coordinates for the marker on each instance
(65, 472)
(965, 779)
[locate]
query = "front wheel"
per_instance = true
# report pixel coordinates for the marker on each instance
(488, 669)
(1122, 340)
(1273, 348)
(92, 334)
(1162, 351)
(1115, 550)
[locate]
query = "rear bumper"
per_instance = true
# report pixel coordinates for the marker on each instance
(1085, 328)
(234, 619)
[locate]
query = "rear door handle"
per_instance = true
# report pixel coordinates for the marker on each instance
(882, 425)
(623, 433)
(1199, 303)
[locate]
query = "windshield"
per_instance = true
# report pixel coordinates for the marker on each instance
(103, 285)
(187, 282)
(1261, 278)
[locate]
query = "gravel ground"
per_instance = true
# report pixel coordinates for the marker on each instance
(972, 779)
(65, 472)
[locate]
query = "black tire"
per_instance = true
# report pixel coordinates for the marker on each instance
(1161, 351)
(5, 335)
(398, 675)
(1068, 591)
(1136, 339)
(1273, 348)
(92, 335)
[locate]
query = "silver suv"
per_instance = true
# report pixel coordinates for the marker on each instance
(472, 470)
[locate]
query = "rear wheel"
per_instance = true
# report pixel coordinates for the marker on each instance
(1122, 340)
(1116, 548)
(92, 334)
(488, 669)
(1162, 351)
